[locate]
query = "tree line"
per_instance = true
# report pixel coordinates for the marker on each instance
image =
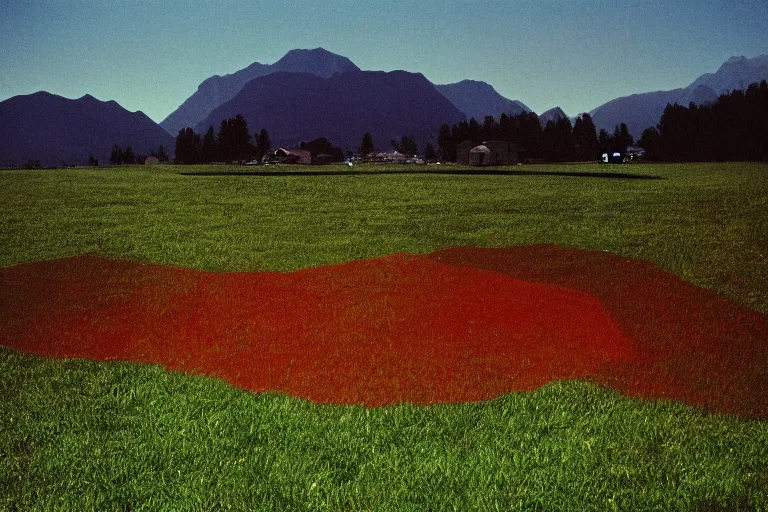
(734, 127)
(405, 145)
(322, 151)
(119, 156)
(233, 142)
(558, 141)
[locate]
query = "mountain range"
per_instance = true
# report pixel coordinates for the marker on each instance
(217, 90)
(472, 98)
(341, 108)
(309, 94)
(641, 111)
(61, 131)
(479, 99)
(553, 114)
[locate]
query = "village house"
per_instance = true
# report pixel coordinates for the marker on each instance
(292, 156)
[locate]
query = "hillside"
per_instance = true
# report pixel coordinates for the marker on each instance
(553, 114)
(641, 111)
(296, 107)
(479, 99)
(217, 90)
(57, 130)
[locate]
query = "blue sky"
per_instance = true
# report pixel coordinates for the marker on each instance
(151, 55)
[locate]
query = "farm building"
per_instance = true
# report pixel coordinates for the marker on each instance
(479, 155)
(151, 160)
(462, 152)
(492, 152)
(292, 156)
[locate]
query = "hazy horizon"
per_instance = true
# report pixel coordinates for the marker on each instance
(576, 55)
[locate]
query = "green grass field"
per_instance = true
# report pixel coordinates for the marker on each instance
(79, 435)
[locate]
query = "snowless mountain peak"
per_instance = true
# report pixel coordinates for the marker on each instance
(553, 114)
(59, 131)
(641, 111)
(478, 99)
(217, 89)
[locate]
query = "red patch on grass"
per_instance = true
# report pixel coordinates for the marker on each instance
(689, 343)
(462, 324)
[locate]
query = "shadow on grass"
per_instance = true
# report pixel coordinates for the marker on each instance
(467, 172)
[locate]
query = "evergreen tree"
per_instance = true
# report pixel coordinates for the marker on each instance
(459, 134)
(209, 150)
(676, 133)
(116, 157)
(234, 141)
(321, 146)
(366, 146)
(409, 146)
(558, 141)
(621, 137)
(605, 141)
(429, 152)
(511, 128)
(475, 131)
(490, 128)
(735, 127)
(162, 155)
(578, 135)
(180, 150)
(92, 161)
(195, 147)
(585, 141)
(263, 144)
(128, 156)
(565, 134)
(241, 139)
(446, 144)
(531, 135)
(188, 146)
(506, 127)
(549, 141)
(406, 145)
(225, 140)
(650, 141)
(592, 147)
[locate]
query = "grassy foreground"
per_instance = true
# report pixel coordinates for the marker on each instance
(704, 222)
(78, 435)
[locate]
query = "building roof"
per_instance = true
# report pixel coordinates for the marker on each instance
(391, 154)
(301, 153)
